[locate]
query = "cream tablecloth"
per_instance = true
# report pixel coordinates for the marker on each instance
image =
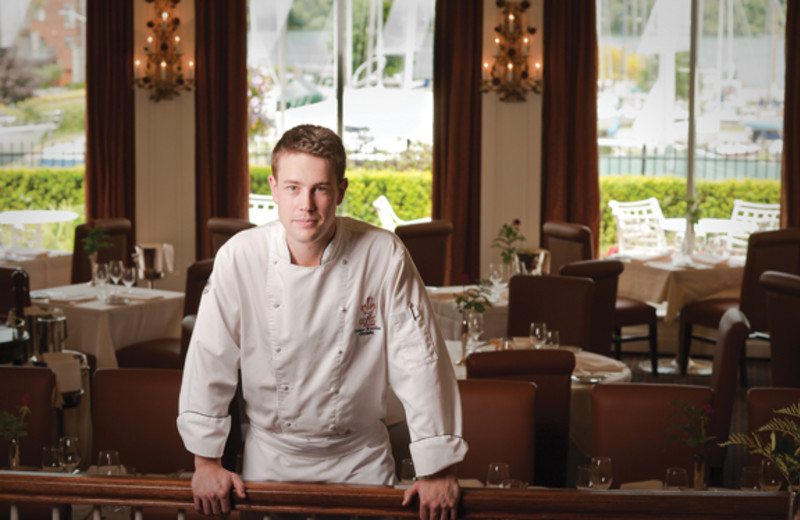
(99, 328)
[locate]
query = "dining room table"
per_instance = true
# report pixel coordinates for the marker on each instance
(495, 318)
(45, 267)
(100, 325)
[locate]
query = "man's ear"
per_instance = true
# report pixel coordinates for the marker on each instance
(342, 189)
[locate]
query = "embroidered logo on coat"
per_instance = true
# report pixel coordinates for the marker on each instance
(366, 323)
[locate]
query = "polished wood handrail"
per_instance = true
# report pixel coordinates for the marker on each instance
(22, 487)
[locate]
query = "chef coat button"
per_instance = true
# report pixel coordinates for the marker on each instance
(277, 349)
(275, 261)
(343, 308)
(344, 262)
(340, 352)
(285, 388)
(276, 305)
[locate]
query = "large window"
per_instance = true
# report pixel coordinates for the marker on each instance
(383, 50)
(644, 103)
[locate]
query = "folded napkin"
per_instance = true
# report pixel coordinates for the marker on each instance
(587, 363)
(67, 368)
(709, 259)
(643, 484)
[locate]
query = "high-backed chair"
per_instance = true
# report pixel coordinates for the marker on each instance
(223, 228)
(604, 274)
(563, 302)
(783, 302)
(498, 424)
(171, 352)
(641, 225)
(767, 251)
(761, 405)
(14, 296)
(571, 242)
(427, 244)
(628, 425)
(118, 231)
(551, 370)
(746, 217)
(731, 337)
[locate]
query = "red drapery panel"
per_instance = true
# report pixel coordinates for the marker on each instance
(222, 173)
(457, 52)
(110, 182)
(790, 178)
(570, 184)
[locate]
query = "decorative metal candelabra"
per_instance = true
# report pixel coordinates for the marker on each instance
(510, 75)
(163, 71)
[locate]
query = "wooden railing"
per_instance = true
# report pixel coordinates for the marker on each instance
(138, 492)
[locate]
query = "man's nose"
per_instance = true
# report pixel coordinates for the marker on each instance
(308, 201)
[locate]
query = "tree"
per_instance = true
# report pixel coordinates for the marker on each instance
(18, 79)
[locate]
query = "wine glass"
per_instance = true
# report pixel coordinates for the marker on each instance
(497, 278)
(100, 280)
(128, 278)
(474, 327)
(498, 473)
(604, 474)
(108, 463)
(115, 269)
(551, 339)
(69, 454)
(538, 333)
(676, 479)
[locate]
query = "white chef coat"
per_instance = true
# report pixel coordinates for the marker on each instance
(318, 348)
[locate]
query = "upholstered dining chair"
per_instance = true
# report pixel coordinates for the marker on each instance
(14, 296)
(563, 302)
(498, 424)
(761, 405)
(570, 242)
(551, 370)
(118, 231)
(427, 244)
(171, 352)
(604, 274)
(628, 425)
(768, 250)
(783, 302)
(223, 228)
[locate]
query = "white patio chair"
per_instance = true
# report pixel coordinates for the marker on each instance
(389, 219)
(746, 218)
(641, 225)
(262, 209)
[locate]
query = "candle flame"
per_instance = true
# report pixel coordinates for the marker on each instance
(163, 64)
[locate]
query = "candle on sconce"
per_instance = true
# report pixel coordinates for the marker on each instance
(164, 17)
(485, 70)
(496, 47)
(511, 22)
(149, 47)
(191, 69)
(177, 44)
(538, 72)
(525, 46)
(136, 71)
(163, 70)
(510, 75)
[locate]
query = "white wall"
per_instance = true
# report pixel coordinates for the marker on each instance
(510, 148)
(165, 162)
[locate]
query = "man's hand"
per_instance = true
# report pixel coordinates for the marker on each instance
(438, 495)
(211, 486)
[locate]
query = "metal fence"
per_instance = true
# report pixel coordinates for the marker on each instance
(52, 154)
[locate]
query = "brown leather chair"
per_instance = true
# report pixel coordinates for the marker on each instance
(761, 405)
(223, 228)
(14, 295)
(731, 337)
(498, 424)
(766, 251)
(118, 231)
(563, 302)
(783, 302)
(628, 425)
(605, 275)
(427, 244)
(569, 242)
(171, 352)
(551, 370)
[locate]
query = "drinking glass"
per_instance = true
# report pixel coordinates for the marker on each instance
(497, 277)
(771, 478)
(604, 474)
(584, 478)
(474, 327)
(407, 472)
(128, 278)
(50, 461)
(538, 332)
(551, 339)
(108, 463)
(498, 473)
(115, 269)
(69, 455)
(100, 280)
(750, 479)
(676, 479)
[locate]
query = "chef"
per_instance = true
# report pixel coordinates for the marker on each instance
(322, 314)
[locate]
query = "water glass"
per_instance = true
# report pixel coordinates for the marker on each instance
(69, 454)
(584, 479)
(50, 462)
(407, 473)
(604, 474)
(551, 339)
(771, 478)
(474, 327)
(538, 333)
(676, 479)
(498, 473)
(108, 463)
(750, 479)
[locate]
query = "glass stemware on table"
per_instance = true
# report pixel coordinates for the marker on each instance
(69, 454)
(498, 276)
(474, 329)
(497, 474)
(538, 334)
(676, 479)
(115, 269)
(101, 280)
(128, 278)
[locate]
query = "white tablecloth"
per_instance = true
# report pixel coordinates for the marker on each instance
(45, 267)
(100, 329)
(495, 318)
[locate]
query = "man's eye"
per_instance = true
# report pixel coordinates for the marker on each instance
(322, 189)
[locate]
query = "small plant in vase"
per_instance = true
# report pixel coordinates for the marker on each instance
(477, 299)
(12, 428)
(694, 433)
(95, 240)
(507, 240)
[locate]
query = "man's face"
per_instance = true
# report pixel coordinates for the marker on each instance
(307, 194)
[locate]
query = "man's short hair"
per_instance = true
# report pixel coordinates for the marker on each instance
(314, 140)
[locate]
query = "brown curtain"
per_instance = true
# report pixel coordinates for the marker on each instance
(457, 49)
(110, 183)
(570, 184)
(790, 184)
(222, 176)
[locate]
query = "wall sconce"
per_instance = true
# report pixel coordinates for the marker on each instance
(510, 75)
(163, 69)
